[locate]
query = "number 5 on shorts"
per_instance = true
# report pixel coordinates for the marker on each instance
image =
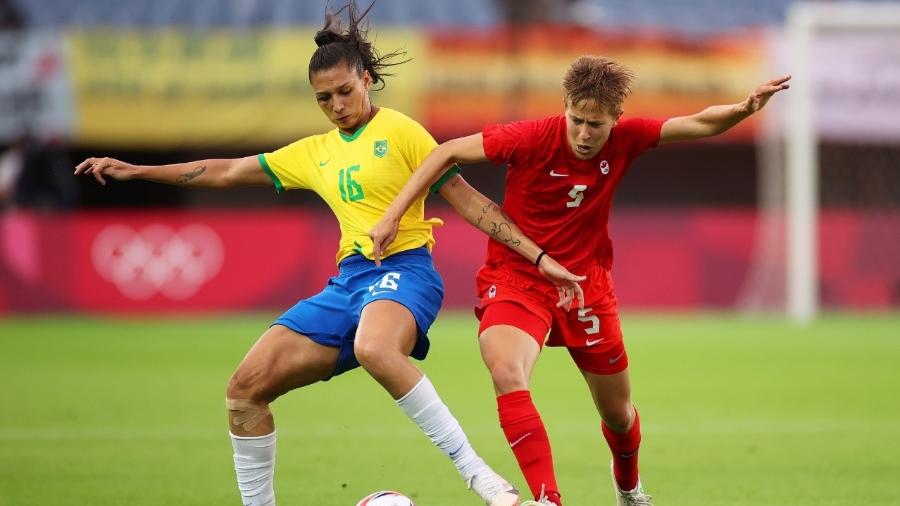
(583, 316)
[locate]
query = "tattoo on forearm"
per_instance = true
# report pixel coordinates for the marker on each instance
(188, 176)
(500, 230)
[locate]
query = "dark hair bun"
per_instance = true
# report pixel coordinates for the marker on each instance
(327, 37)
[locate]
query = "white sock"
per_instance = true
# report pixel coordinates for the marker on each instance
(254, 464)
(424, 407)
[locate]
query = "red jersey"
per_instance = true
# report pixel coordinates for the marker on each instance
(558, 200)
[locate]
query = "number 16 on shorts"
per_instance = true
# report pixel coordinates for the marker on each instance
(387, 284)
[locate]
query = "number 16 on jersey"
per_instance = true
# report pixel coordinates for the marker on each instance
(351, 190)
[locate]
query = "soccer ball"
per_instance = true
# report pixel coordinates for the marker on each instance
(385, 498)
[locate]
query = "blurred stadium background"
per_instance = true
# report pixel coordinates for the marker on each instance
(174, 81)
(794, 215)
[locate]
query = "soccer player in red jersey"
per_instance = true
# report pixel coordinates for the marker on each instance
(561, 178)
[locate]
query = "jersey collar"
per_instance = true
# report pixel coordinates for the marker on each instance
(358, 132)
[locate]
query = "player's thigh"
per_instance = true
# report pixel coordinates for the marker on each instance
(385, 326)
(400, 302)
(505, 345)
(509, 354)
(280, 361)
(510, 342)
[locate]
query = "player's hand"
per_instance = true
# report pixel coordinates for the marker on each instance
(99, 167)
(566, 282)
(383, 234)
(761, 95)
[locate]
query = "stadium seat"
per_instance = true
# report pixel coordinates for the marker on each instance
(687, 16)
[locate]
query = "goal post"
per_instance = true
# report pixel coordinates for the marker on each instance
(806, 23)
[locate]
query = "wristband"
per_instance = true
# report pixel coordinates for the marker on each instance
(537, 261)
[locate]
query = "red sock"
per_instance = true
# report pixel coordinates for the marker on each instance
(527, 437)
(624, 448)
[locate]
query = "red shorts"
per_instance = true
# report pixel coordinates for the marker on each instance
(592, 335)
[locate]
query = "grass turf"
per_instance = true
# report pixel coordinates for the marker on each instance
(734, 411)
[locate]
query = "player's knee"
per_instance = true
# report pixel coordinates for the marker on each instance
(508, 377)
(618, 418)
(247, 384)
(370, 356)
(246, 401)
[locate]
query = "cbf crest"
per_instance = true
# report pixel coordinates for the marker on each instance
(381, 148)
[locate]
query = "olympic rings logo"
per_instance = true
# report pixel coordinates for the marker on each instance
(157, 259)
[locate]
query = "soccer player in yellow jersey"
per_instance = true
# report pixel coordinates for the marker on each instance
(370, 314)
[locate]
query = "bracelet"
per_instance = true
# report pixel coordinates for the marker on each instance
(537, 261)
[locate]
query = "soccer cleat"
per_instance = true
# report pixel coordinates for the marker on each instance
(493, 489)
(633, 497)
(543, 500)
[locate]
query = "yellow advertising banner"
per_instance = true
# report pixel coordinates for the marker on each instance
(218, 88)
(176, 88)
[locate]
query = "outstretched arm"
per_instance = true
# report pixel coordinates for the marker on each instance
(719, 118)
(221, 173)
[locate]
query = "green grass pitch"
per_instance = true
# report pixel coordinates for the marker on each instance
(735, 412)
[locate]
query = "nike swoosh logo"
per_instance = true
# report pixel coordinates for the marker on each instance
(628, 455)
(322, 164)
(517, 441)
(381, 292)
(595, 341)
(614, 360)
(453, 453)
(557, 174)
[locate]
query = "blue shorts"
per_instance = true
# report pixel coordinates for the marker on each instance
(330, 317)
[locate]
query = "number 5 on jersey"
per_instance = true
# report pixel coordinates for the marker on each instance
(351, 190)
(577, 195)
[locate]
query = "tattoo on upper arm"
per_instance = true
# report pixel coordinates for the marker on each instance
(500, 230)
(188, 176)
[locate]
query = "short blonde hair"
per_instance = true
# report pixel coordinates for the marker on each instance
(598, 79)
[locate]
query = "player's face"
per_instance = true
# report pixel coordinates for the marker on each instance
(587, 128)
(343, 96)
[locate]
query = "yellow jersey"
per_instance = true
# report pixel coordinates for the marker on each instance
(358, 176)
